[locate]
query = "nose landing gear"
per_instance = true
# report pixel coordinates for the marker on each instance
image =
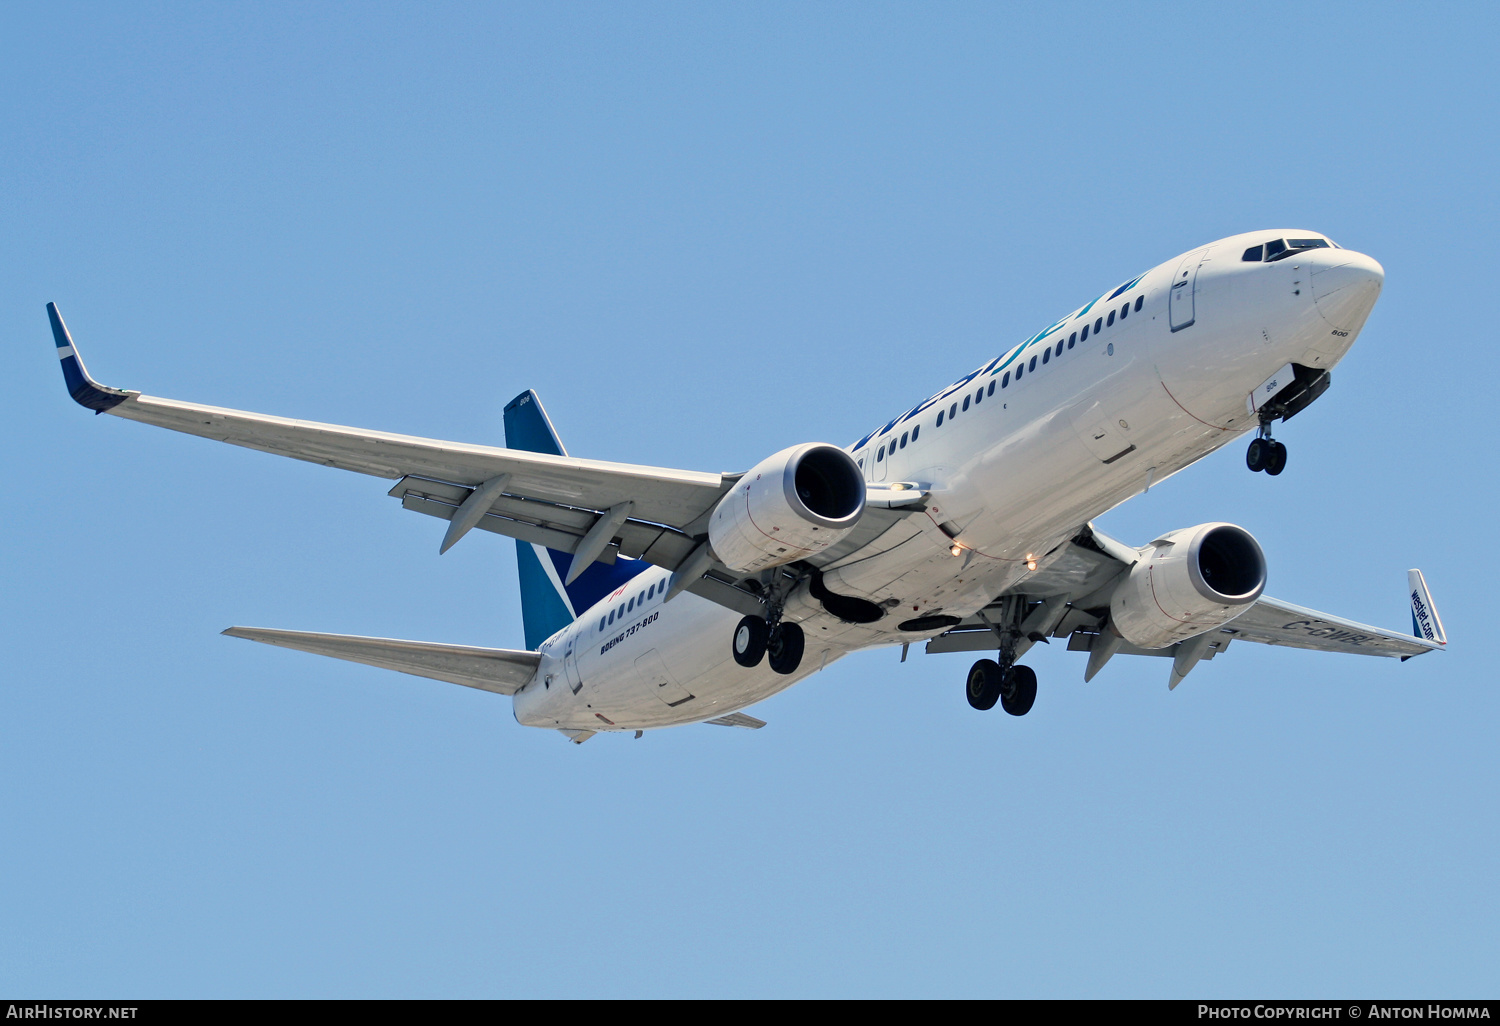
(1265, 453)
(1306, 385)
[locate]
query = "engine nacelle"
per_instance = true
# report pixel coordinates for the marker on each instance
(789, 507)
(1186, 583)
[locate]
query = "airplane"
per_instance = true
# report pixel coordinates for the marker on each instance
(654, 597)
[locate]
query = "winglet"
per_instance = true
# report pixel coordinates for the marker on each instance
(1425, 622)
(84, 389)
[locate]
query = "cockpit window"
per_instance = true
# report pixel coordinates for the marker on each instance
(1280, 249)
(1296, 246)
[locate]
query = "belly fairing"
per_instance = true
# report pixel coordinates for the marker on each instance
(676, 669)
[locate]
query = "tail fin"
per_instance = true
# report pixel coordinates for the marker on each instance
(1425, 622)
(547, 605)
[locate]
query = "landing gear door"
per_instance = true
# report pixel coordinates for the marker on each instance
(1182, 302)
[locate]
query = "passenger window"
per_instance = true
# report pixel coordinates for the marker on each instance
(1032, 365)
(1071, 339)
(1046, 354)
(978, 396)
(1124, 311)
(915, 432)
(880, 455)
(1252, 255)
(1059, 348)
(1085, 335)
(903, 440)
(601, 623)
(1098, 325)
(1005, 381)
(991, 389)
(1138, 301)
(1020, 368)
(630, 605)
(861, 462)
(611, 616)
(966, 402)
(940, 419)
(953, 410)
(1111, 320)
(651, 591)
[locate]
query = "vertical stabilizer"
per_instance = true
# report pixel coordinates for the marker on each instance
(1425, 622)
(548, 605)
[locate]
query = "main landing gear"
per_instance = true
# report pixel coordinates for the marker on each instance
(989, 681)
(755, 638)
(1265, 453)
(1013, 688)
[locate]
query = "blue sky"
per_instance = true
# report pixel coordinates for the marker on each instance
(704, 233)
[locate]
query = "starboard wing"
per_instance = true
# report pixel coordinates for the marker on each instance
(1068, 597)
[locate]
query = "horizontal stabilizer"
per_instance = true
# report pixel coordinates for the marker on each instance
(737, 720)
(500, 670)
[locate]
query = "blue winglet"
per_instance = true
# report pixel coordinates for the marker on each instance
(84, 389)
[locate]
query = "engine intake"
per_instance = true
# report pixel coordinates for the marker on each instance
(788, 507)
(1187, 583)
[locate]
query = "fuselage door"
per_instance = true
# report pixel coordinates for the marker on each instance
(1181, 302)
(570, 667)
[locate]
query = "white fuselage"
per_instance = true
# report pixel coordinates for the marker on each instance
(1016, 467)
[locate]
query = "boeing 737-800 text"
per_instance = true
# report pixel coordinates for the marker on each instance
(655, 597)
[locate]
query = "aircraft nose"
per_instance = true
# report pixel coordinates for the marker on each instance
(1345, 285)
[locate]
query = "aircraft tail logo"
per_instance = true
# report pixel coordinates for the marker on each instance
(547, 604)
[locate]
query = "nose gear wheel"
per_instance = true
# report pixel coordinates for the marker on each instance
(1266, 454)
